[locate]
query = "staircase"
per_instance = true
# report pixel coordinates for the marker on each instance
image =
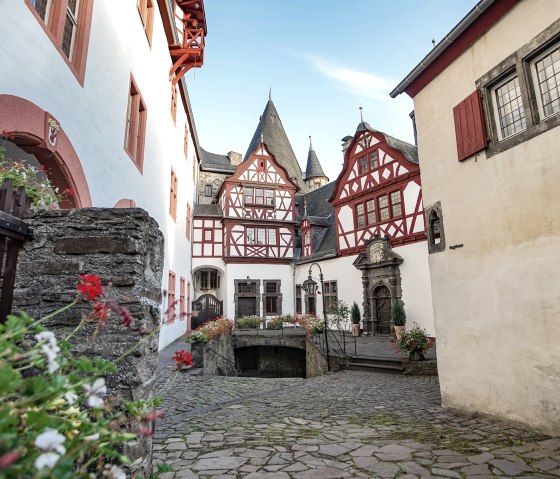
(376, 364)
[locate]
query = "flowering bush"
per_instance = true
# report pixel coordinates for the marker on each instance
(182, 359)
(37, 186)
(415, 340)
(310, 322)
(54, 421)
(210, 330)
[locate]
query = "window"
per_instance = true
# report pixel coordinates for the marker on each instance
(261, 236)
(174, 103)
(272, 299)
(307, 238)
(67, 23)
(208, 279)
(546, 71)
(360, 217)
(331, 294)
(370, 209)
(188, 300)
(508, 105)
(146, 11)
(368, 162)
(208, 235)
(188, 228)
(383, 207)
(298, 298)
(246, 288)
(70, 28)
(171, 297)
(435, 232)
(135, 126)
(173, 196)
(208, 190)
(396, 204)
(182, 309)
(258, 196)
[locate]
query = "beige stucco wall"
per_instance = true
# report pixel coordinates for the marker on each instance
(497, 299)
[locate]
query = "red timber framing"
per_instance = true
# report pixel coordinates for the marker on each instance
(307, 245)
(207, 238)
(185, 35)
(259, 211)
(377, 192)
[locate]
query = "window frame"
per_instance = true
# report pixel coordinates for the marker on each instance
(53, 25)
(555, 46)
(171, 308)
(268, 196)
(146, 12)
(182, 309)
(268, 298)
(266, 231)
(330, 293)
(135, 125)
(496, 107)
(375, 200)
(208, 190)
(173, 194)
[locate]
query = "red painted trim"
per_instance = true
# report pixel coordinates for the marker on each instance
(55, 31)
(27, 122)
(472, 33)
(235, 259)
(415, 238)
(140, 117)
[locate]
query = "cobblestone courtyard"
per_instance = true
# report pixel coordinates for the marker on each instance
(347, 424)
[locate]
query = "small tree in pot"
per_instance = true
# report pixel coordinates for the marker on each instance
(356, 318)
(398, 316)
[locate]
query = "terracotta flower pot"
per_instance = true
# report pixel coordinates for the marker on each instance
(398, 331)
(355, 329)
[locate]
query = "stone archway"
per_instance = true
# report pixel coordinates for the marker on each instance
(38, 133)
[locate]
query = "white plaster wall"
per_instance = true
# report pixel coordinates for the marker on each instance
(415, 280)
(261, 272)
(93, 116)
(496, 300)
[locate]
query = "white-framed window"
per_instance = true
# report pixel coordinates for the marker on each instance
(261, 236)
(508, 107)
(70, 28)
(331, 294)
(546, 76)
(258, 196)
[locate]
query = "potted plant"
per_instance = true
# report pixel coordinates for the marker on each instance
(398, 317)
(356, 318)
(249, 322)
(414, 342)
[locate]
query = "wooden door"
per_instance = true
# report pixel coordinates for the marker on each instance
(382, 299)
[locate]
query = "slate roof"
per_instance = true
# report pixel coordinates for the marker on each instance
(320, 214)
(313, 168)
(409, 151)
(274, 137)
(207, 210)
(215, 161)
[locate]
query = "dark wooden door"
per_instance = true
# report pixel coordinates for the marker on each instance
(246, 306)
(311, 305)
(382, 298)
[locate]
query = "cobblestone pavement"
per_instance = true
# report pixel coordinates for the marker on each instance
(346, 424)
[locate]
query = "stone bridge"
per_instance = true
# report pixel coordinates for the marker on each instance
(264, 353)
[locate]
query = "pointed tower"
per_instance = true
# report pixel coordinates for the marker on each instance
(271, 132)
(314, 175)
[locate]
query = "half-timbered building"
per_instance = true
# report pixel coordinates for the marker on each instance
(252, 247)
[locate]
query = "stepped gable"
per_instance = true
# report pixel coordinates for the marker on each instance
(313, 168)
(320, 214)
(271, 132)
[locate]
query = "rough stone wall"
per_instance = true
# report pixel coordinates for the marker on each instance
(123, 247)
(210, 178)
(420, 368)
(218, 356)
(316, 363)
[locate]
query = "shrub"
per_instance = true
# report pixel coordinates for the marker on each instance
(415, 340)
(355, 313)
(210, 330)
(398, 314)
(249, 322)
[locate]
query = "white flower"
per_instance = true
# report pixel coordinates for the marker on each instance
(50, 440)
(93, 437)
(116, 473)
(98, 388)
(46, 336)
(70, 397)
(49, 348)
(47, 459)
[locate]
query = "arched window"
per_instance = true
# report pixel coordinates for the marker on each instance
(436, 236)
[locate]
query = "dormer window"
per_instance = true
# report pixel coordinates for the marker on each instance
(258, 196)
(307, 238)
(368, 162)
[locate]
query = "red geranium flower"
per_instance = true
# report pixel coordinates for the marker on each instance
(90, 286)
(69, 192)
(182, 358)
(101, 311)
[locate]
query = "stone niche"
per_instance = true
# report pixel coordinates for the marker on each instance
(381, 284)
(123, 247)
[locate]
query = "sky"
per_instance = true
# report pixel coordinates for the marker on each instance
(322, 60)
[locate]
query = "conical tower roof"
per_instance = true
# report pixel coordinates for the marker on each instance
(313, 168)
(271, 132)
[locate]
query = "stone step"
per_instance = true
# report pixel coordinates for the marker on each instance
(377, 366)
(196, 372)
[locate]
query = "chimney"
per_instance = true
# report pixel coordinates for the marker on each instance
(234, 158)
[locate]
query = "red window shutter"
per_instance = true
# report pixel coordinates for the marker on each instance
(470, 130)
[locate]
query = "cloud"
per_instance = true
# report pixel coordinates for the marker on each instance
(361, 83)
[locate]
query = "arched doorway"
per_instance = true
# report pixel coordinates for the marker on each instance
(382, 309)
(40, 140)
